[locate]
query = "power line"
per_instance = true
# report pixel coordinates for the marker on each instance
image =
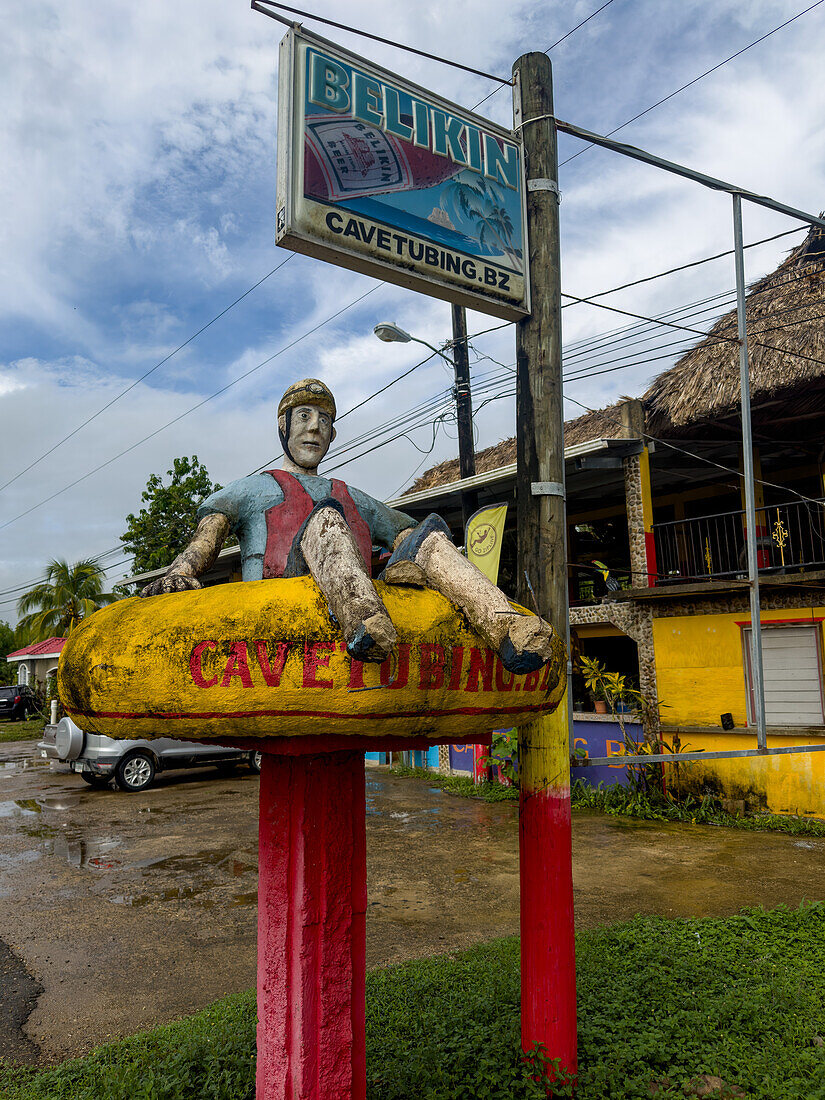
(360, 404)
(16, 599)
(25, 585)
(558, 42)
(693, 263)
(374, 37)
(241, 377)
(192, 409)
(564, 37)
(137, 381)
(696, 79)
(707, 336)
(642, 317)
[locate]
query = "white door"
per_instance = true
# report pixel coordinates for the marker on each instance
(793, 676)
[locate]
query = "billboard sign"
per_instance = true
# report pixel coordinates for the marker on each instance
(380, 176)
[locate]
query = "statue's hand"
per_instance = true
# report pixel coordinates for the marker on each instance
(174, 582)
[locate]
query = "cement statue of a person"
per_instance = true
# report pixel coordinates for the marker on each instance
(292, 522)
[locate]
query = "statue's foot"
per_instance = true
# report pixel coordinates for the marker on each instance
(527, 644)
(373, 639)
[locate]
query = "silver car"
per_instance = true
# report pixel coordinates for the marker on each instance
(132, 764)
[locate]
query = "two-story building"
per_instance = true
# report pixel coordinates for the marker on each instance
(656, 539)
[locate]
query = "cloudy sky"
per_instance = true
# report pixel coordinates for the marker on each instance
(137, 192)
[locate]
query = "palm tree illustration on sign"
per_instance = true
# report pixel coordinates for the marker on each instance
(474, 199)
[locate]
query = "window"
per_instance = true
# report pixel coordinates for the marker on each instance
(23, 674)
(792, 671)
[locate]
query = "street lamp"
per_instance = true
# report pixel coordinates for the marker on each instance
(391, 333)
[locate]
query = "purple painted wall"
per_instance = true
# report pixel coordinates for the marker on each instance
(601, 738)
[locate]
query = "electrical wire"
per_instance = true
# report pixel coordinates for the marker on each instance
(366, 400)
(377, 38)
(26, 585)
(192, 409)
(25, 588)
(695, 263)
(558, 42)
(409, 477)
(713, 339)
(145, 375)
(696, 79)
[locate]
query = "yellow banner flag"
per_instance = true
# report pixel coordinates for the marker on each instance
(483, 537)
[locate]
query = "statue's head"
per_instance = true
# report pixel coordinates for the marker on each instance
(306, 414)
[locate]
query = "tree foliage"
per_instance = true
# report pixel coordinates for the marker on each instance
(8, 673)
(166, 523)
(67, 594)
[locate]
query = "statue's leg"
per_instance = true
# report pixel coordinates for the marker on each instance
(333, 559)
(428, 557)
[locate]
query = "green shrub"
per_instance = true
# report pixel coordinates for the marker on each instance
(654, 806)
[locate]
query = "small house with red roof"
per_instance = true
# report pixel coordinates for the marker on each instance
(37, 662)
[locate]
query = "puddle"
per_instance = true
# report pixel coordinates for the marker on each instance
(60, 801)
(21, 763)
(171, 893)
(20, 808)
(95, 854)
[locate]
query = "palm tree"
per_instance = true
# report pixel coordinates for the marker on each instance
(67, 593)
(473, 198)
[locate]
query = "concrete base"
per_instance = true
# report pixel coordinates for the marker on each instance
(312, 899)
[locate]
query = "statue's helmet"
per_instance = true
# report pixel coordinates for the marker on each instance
(309, 391)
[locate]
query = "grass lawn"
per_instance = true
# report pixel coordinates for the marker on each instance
(662, 1003)
(30, 730)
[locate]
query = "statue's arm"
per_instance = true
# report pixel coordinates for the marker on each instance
(198, 556)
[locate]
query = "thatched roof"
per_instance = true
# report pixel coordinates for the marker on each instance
(785, 313)
(600, 424)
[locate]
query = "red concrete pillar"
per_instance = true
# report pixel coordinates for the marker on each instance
(548, 961)
(312, 901)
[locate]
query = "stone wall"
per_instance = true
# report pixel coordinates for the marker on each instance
(636, 621)
(635, 519)
(737, 602)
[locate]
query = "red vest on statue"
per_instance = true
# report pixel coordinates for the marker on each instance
(284, 521)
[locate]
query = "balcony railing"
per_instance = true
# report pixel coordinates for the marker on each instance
(789, 537)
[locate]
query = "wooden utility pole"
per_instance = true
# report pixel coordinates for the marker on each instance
(464, 411)
(548, 978)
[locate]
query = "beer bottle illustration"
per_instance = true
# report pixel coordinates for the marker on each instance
(346, 158)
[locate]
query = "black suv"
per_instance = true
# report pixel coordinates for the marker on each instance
(17, 701)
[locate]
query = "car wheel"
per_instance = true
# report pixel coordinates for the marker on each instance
(136, 771)
(96, 781)
(255, 762)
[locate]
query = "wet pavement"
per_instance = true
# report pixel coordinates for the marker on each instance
(121, 911)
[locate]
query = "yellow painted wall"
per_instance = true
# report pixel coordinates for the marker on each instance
(700, 670)
(782, 784)
(700, 675)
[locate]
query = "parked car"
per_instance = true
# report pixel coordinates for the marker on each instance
(132, 764)
(17, 701)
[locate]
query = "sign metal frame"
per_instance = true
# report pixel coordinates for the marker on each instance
(296, 211)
